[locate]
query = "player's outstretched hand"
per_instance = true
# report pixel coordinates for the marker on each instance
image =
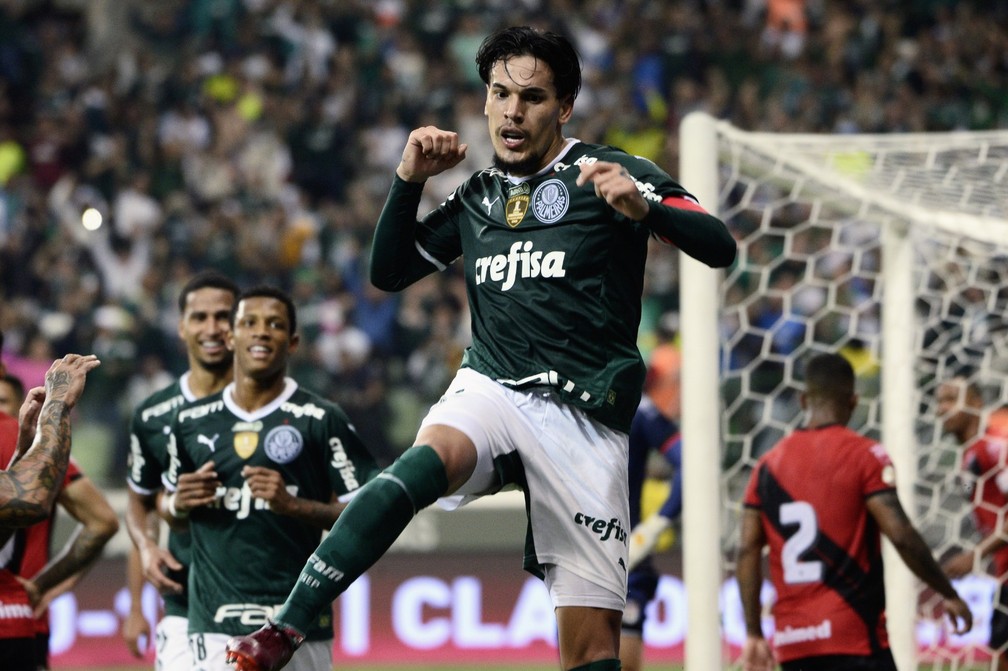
(613, 184)
(959, 615)
(64, 381)
(430, 151)
(757, 655)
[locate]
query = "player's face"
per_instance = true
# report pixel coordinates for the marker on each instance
(953, 409)
(10, 402)
(204, 327)
(261, 339)
(524, 114)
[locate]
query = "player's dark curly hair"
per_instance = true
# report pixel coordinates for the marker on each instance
(269, 291)
(203, 280)
(829, 375)
(551, 48)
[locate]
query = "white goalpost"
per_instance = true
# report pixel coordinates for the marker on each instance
(892, 249)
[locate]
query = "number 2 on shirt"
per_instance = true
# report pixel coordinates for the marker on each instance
(797, 571)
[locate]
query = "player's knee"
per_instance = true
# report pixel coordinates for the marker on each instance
(456, 451)
(422, 474)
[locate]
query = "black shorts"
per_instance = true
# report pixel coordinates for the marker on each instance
(880, 661)
(42, 651)
(19, 654)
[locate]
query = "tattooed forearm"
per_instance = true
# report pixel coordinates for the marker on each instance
(29, 488)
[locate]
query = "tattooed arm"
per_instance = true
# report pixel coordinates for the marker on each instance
(29, 486)
(98, 523)
(885, 508)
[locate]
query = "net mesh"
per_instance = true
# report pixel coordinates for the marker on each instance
(809, 212)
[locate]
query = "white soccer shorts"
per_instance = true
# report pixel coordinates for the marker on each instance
(171, 651)
(576, 469)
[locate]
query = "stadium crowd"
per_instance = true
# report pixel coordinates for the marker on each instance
(258, 137)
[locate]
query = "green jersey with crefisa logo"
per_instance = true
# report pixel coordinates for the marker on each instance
(554, 277)
(150, 427)
(246, 558)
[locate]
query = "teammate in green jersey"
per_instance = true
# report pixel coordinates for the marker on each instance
(553, 239)
(204, 303)
(273, 465)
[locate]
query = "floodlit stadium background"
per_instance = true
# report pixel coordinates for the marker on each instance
(142, 141)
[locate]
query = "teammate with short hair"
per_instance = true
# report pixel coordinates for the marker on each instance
(204, 303)
(819, 499)
(985, 454)
(273, 466)
(554, 239)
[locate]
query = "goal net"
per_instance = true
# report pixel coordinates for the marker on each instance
(890, 249)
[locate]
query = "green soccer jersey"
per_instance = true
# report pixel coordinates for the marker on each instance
(148, 460)
(555, 275)
(246, 558)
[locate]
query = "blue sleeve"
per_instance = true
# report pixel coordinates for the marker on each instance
(672, 507)
(637, 461)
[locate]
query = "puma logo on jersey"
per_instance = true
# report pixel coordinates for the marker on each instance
(520, 261)
(488, 204)
(209, 442)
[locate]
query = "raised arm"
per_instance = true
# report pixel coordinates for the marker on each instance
(395, 260)
(678, 220)
(29, 487)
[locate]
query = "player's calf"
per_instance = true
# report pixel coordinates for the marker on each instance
(267, 649)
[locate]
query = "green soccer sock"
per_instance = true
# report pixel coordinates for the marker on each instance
(375, 517)
(601, 665)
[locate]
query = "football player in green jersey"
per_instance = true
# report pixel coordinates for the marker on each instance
(204, 303)
(553, 238)
(276, 464)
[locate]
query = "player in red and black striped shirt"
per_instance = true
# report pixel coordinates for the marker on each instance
(960, 405)
(820, 499)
